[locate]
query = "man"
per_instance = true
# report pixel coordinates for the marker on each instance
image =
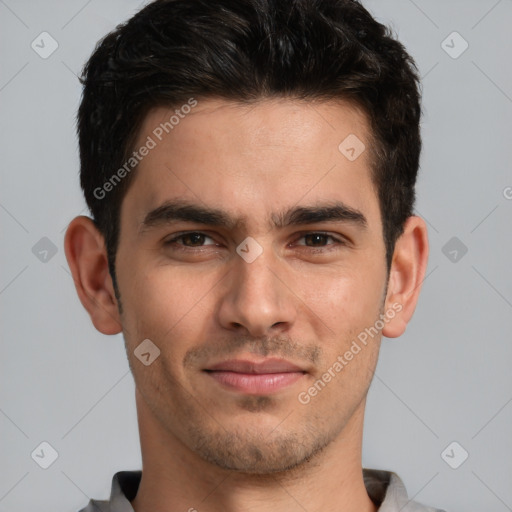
(250, 169)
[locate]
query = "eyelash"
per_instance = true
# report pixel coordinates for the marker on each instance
(173, 241)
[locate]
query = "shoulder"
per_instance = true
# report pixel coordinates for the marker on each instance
(387, 490)
(96, 506)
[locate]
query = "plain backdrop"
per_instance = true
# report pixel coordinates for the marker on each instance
(441, 392)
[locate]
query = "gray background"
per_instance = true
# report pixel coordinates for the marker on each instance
(446, 379)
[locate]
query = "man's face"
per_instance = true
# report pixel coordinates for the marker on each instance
(316, 285)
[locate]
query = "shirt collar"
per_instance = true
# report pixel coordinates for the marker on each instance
(385, 489)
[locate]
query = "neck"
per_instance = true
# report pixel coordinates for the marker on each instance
(176, 479)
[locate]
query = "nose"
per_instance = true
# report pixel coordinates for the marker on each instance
(258, 297)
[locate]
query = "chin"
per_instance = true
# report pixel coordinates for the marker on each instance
(260, 456)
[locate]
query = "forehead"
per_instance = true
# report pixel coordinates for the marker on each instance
(253, 159)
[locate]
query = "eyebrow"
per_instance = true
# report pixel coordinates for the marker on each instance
(185, 211)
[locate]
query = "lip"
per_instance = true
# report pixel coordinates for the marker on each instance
(271, 365)
(257, 378)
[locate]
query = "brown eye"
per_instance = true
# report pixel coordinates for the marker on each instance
(191, 239)
(319, 240)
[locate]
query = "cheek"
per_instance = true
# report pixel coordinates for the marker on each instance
(345, 299)
(166, 304)
(168, 307)
(348, 305)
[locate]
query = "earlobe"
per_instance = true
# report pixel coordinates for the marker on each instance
(87, 259)
(407, 273)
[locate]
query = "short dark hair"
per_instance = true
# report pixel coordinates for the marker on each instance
(246, 51)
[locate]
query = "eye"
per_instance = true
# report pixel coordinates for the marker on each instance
(195, 238)
(319, 240)
(314, 241)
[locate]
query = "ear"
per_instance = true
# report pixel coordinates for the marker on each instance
(87, 259)
(406, 276)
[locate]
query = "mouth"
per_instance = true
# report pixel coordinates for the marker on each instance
(253, 377)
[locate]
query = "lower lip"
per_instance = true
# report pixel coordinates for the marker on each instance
(256, 382)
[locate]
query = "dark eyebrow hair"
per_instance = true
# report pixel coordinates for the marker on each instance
(182, 210)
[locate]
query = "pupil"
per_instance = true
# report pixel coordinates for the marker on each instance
(317, 237)
(194, 237)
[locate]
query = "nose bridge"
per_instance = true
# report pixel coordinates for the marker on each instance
(255, 297)
(258, 277)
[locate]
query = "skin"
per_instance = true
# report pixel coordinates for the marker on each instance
(303, 299)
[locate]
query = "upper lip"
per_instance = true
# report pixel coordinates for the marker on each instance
(271, 365)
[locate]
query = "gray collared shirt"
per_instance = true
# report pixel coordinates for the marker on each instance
(385, 489)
